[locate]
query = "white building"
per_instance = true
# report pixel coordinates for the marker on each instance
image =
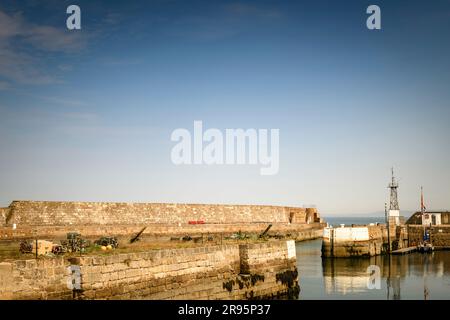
(431, 219)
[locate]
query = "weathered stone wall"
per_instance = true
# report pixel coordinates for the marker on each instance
(47, 213)
(298, 232)
(3, 216)
(210, 272)
(400, 239)
(164, 274)
(370, 244)
(416, 218)
(44, 278)
(255, 257)
(440, 235)
(376, 244)
(346, 249)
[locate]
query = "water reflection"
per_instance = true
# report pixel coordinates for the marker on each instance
(412, 276)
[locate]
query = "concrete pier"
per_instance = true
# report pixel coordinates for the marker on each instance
(364, 240)
(405, 250)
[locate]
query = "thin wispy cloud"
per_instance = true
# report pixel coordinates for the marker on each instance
(4, 85)
(65, 67)
(112, 18)
(49, 101)
(99, 130)
(22, 68)
(118, 62)
(65, 101)
(243, 9)
(19, 65)
(81, 116)
(54, 39)
(14, 27)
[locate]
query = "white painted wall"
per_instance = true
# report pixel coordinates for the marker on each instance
(347, 233)
(345, 284)
(291, 252)
(438, 219)
(427, 219)
(394, 213)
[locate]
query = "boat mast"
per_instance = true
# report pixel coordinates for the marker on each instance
(422, 207)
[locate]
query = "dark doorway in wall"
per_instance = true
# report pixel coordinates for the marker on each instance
(291, 216)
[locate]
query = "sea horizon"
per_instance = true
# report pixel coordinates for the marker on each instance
(349, 220)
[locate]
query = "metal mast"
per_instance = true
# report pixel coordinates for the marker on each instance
(422, 203)
(388, 232)
(394, 200)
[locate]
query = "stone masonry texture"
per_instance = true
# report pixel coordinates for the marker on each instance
(49, 213)
(246, 271)
(47, 219)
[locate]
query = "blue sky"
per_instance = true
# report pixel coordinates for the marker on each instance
(87, 115)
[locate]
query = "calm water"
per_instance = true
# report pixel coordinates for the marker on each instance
(412, 276)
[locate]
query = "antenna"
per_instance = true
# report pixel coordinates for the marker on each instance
(394, 199)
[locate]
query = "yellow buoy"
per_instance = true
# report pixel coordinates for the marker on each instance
(103, 248)
(109, 247)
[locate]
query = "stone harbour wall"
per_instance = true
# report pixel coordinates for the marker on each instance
(345, 249)
(245, 271)
(368, 242)
(44, 278)
(3, 216)
(53, 213)
(298, 232)
(440, 235)
(374, 244)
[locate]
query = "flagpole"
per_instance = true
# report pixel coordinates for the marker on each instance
(422, 209)
(388, 228)
(422, 212)
(421, 201)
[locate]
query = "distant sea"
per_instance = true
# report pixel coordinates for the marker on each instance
(348, 221)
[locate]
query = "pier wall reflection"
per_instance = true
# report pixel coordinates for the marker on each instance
(350, 275)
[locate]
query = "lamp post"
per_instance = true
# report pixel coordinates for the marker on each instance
(388, 279)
